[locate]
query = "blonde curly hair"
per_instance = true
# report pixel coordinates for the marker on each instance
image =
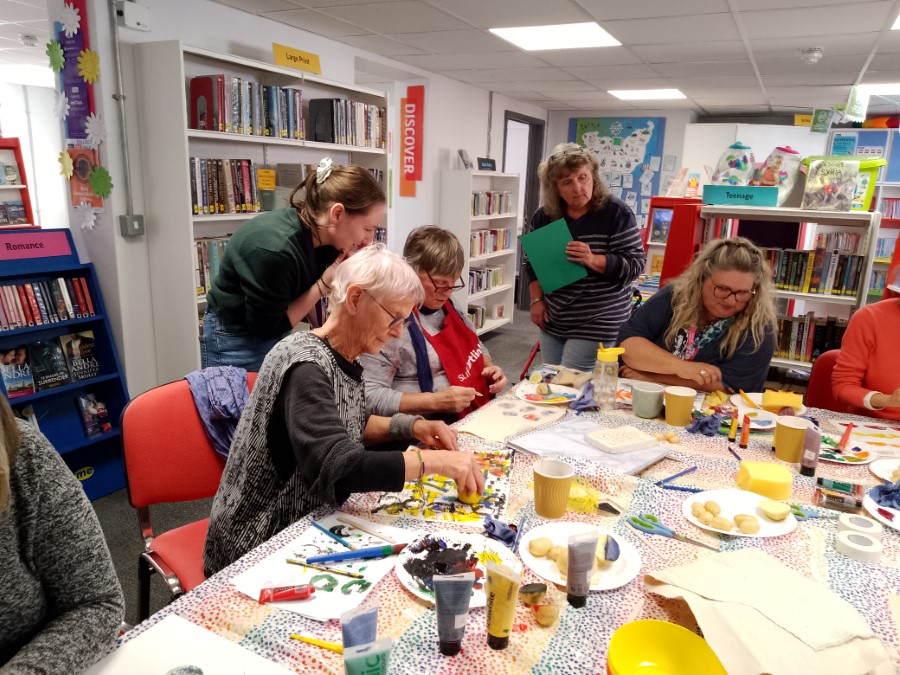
(721, 255)
(566, 158)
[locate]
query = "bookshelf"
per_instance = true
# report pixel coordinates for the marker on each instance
(38, 259)
(15, 199)
(480, 208)
(724, 221)
(163, 74)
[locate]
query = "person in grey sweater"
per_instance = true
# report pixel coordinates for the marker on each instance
(60, 601)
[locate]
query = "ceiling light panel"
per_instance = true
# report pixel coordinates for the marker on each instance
(646, 94)
(559, 36)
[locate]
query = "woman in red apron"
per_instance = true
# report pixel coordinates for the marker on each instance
(438, 367)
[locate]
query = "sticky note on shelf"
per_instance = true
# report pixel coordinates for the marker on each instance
(546, 251)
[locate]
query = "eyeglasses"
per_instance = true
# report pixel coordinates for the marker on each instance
(444, 289)
(723, 293)
(401, 321)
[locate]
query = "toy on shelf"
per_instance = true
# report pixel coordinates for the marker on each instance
(779, 170)
(735, 165)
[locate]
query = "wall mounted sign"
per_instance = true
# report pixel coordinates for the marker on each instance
(295, 58)
(412, 115)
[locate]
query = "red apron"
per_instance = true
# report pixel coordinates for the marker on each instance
(459, 351)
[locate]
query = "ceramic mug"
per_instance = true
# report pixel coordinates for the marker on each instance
(647, 399)
(552, 480)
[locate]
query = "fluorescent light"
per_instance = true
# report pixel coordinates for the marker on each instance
(896, 25)
(645, 94)
(560, 36)
(885, 89)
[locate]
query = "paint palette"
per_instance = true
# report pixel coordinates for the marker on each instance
(559, 394)
(855, 453)
(760, 420)
(450, 553)
(619, 573)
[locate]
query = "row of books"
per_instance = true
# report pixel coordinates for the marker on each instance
(490, 203)
(339, 120)
(235, 105)
(224, 186)
(485, 278)
(820, 271)
(291, 175)
(884, 247)
(878, 282)
(890, 207)
(483, 242)
(207, 254)
(47, 364)
(13, 213)
(44, 302)
(804, 338)
(478, 315)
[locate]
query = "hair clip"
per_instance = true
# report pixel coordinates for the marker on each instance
(323, 171)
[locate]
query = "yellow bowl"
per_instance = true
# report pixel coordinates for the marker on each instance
(651, 647)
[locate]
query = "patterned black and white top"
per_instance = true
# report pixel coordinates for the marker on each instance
(298, 445)
(595, 307)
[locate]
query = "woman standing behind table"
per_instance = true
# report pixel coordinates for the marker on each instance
(438, 367)
(712, 327)
(278, 267)
(606, 240)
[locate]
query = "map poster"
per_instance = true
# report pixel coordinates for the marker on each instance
(628, 150)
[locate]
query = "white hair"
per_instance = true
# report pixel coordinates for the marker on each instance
(384, 274)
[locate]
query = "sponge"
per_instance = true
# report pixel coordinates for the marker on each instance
(607, 550)
(766, 479)
(774, 401)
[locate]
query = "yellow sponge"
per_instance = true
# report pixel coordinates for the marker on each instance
(766, 479)
(774, 401)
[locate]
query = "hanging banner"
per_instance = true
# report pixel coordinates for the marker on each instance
(72, 35)
(412, 115)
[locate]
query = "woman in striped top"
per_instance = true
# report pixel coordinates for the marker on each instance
(605, 239)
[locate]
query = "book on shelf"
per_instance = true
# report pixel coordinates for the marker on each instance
(207, 256)
(832, 268)
(483, 242)
(9, 174)
(81, 355)
(890, 207)
(804, 338)
(48, 364)
(476, 315)
(94, 414)
(830, 185)
(13, 213)
(224, 186)
(338, 120)
(15, 371)
(491, 203)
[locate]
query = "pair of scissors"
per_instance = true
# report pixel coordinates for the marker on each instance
(647, 522)
(805, 512)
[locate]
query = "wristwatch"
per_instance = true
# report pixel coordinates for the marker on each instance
(536, 301)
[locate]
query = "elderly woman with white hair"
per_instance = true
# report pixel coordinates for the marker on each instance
(301, 441)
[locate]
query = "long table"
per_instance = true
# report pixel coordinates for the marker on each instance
(578, 642)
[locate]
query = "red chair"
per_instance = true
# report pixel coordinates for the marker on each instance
(819, 392)
(168, 458)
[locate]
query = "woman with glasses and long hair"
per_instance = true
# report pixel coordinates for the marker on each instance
(711, 328)
(438, 367)
(605, 240)
(302, 439)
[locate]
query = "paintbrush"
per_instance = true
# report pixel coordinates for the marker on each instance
(330, 646)
(360, 554)
(519, 529)
(331, 534)
(322, 568)
(363, 526)
(749, 401)
(663, 481)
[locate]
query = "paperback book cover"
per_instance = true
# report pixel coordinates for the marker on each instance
(16, 372)
(830, 185)
(94, 416)
(48, 364)
(81, 357)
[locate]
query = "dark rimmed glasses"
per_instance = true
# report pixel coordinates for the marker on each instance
(444, 289)
(401, 321)
(723, 293)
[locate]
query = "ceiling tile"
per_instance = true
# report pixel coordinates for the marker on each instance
(673, 29)
(338, 3)
(787, 4)
(598, 56)
(34, 3)
(396, 17)
(627, 83)
(515, 59)
(378, 44)
(890, 43)
(526, 74)
(505, 13)
(725, 96)
(428, 62)
(258, 6)
(735, 110)
(885, 62)
(552, 85)
(11, 12)
(795, 66)
(605, 10)
(856, 17)
(12, 31)
(637, 70)
(834, 45)
(691, 51)
(819, 78)
(704, 68)
(454, 41)
(470, 76)
(316, 23)
(749, 81)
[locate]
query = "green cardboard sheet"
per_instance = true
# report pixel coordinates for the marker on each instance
(546, 251)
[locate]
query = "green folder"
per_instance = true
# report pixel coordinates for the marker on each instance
(546, 251)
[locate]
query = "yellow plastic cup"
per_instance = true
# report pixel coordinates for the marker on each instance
(679, 404)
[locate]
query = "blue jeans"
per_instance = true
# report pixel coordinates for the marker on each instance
(220, 346)
(569, 352)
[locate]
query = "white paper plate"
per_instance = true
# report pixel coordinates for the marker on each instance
(526, 389)
(733, 503)
(737, 400)
(618, 574)
(856, 454)
(872, 507)
(883, 468)
(481, 550)
(760, 420)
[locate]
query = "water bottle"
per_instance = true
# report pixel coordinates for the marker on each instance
(606, 377)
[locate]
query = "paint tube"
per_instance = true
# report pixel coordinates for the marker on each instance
(284, 593)
(452, 593)
(369, 659)
(359, 626)
(745, 432)
(582, 549)
(732, 432)
(502, 590)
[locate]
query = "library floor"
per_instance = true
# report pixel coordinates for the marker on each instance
(509, 347)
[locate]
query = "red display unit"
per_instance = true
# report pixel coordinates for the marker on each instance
(14, 186)
(675, 223)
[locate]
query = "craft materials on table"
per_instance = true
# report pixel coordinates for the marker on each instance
(883, 437)
(755, 401)
(331, 534)
(669, 479)
(728, 508)
(335, 647)
(546, 394)
(650, 524)
(335, 592)
(505, 417)
(853, 452)
(887, 470)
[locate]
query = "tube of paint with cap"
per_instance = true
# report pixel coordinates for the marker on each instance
(452, 593)
(359, 626)
(582, 549)
(502, 589)
(285, 593)
(369, 659)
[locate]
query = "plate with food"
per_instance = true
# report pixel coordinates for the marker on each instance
(544, 393)
(739, 513)
(772, 401)
(545, 551)
(854, 453)
(886, 469)
(450, 553)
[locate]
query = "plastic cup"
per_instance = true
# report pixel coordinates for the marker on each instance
(552, 480)
(790, 436)
(647, 399)
(679, 404)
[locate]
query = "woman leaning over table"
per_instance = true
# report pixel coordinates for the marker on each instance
(605, 240)
(300, 443)
(278, 267)
(711, 328)
(60, 601)
(438, 367)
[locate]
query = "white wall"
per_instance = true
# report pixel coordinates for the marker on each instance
(516, 161)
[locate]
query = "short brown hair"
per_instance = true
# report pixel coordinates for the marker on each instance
(433, 250)
(566, 158)
(352, 186)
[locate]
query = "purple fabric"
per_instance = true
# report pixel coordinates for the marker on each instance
(499, 530)
(585, 400)
(887, 495)
(708, 426)
(220, 394)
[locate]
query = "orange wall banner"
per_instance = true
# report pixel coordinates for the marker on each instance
(412, 114)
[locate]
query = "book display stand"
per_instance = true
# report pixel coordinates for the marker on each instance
(15, 200)
(59, 365)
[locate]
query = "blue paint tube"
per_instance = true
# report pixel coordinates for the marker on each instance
(370, 659)
(452, 593)
(359, 626)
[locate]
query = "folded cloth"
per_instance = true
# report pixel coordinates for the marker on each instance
(708, 426)
(887, 495)
(568, 377)
(759, 616)
(585, 400)
(220, 394)
(496, 529)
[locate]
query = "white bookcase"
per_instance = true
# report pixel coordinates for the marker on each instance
(458, 216)
(163, 71)
(865, 222)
